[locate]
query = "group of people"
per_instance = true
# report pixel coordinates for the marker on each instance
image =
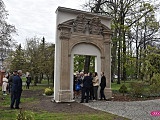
(13, 83)
(87, 85)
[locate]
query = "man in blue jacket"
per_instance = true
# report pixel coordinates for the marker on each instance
(16, 90)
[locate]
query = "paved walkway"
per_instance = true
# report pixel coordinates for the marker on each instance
(135, 110)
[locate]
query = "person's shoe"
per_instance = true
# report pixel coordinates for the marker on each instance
(17, 108)
(86, 101)
(81, 102)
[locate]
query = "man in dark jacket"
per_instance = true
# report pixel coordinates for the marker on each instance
(10, 79)
(28, 81)
(16, 90)
(87, 81)
(103, 85)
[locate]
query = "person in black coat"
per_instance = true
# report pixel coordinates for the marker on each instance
(28, 81)
(16, 90)
(87, 81)
(10, 79)
(103, 85)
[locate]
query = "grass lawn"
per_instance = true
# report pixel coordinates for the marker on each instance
(7, 114)
(44, 115)
(116, 86)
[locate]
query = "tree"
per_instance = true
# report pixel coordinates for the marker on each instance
(144, 32)
(40, 58)
(151, 63)
(125, 14)
(18, 59)
(79, 63)
(6, 30)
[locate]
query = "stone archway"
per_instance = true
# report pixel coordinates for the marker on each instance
(85, 49)
(83, 33)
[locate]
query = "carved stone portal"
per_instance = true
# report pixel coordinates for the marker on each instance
(82, 33)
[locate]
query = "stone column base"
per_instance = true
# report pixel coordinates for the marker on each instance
(108, 93)
(65, 96)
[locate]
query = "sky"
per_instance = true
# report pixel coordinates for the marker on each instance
(36, 18)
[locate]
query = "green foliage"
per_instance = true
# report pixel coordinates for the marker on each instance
(79, 62)
(25, 115)
(37, 58)
(6, 30)
(48, 91)
(130, 66)
(18, 59)
(123, 89)
(150, 63)
(137, 89)
(155, 85)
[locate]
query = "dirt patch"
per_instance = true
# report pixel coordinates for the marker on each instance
(44, 103)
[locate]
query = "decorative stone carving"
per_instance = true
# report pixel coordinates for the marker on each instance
(80, 24)
(95, 26)
(65, 31)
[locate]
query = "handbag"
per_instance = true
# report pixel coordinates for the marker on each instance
(78, 87)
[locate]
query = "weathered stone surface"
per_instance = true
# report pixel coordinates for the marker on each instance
(74, 29)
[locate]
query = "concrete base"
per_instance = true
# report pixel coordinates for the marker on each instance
(65, 96)
(108, 93)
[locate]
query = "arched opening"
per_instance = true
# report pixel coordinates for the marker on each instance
(85, 49)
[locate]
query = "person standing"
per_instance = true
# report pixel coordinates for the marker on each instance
(10, 79)
(86, 87)
(16, 90)
(95, 85)
(102, 85)
(77, 86)
(28, 81)
(91, 95)
(4, 85)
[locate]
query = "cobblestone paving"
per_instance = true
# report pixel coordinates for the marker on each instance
(135, 110)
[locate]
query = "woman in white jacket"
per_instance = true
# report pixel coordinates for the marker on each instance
(4, 85)
(95, 85)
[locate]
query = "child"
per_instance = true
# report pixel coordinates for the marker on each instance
(4, 85)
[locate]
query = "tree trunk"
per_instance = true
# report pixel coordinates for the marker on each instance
(119, 62)
(87, 64)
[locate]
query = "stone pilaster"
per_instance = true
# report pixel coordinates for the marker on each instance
(107, 63)
(65, 92)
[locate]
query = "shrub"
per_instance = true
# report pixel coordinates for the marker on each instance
(154, 87)
(137, 89)
(48, 91)
(123, 89)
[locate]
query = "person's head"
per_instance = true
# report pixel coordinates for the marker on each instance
(19, 72)
(85, 74)
(95, 74)
(89, 74)
(15, 72)
(102, 73)
(77, 74)
(81, 74)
